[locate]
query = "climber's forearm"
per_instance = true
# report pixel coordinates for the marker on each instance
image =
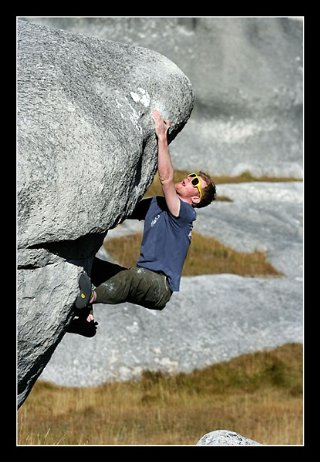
(165, 168)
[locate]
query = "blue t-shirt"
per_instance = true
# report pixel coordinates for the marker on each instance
(166, 239)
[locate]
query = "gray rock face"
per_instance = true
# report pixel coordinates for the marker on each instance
(225, 438)
(87, 153)
(247, 76)
(45, 298)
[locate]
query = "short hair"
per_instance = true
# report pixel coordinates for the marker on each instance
(209, 193)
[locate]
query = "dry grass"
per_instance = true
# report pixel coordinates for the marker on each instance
(257, 395)
(247, 177)
(155, 188)
(206, 256)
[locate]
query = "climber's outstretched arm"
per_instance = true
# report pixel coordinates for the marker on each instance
(165, 168)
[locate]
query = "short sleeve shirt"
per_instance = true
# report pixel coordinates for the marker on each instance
(166, 240)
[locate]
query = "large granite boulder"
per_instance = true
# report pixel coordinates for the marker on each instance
(87, 153)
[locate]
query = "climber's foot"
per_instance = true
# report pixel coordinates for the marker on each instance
(82, 327)
(85, 293)
(83, 323)
(93, 297)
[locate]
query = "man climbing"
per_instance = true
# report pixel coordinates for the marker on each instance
(168, 223)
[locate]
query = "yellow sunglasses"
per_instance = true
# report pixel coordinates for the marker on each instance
(196, 182)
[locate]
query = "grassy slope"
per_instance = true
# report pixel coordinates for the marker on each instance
(258, 395)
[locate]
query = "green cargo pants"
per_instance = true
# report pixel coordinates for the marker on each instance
(135, 285)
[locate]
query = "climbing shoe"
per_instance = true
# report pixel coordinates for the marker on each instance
(85, 293)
